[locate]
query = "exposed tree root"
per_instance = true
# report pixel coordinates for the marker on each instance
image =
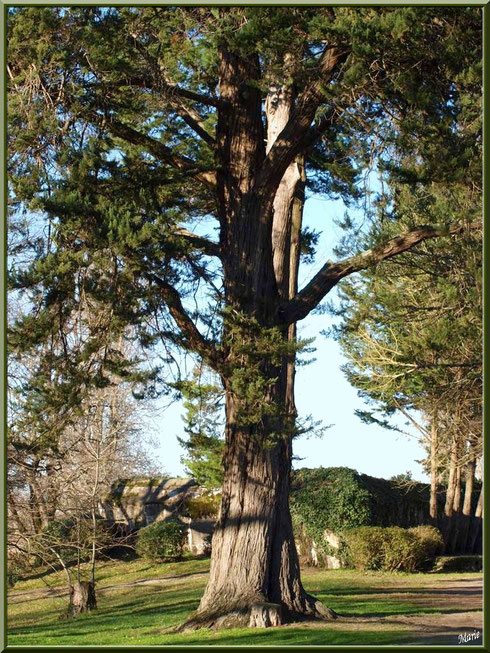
(257, 614)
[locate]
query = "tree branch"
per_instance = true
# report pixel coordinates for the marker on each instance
(175, 94)
(194, 339)
(157, 149)
(207, 246)
(298, 130)
(331, 273)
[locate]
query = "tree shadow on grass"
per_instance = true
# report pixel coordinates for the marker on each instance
(289, 636)
(359, 592)
(93, 623)
(151, 581)
(363, 609)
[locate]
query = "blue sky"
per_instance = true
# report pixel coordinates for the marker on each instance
(321, 391)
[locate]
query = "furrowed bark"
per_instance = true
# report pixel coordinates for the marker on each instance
(291, 140)
(254, 577)
(254, 560)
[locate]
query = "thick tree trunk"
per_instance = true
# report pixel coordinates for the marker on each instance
(254, 578)
(82, 598)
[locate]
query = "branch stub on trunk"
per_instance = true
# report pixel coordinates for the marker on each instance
(265, 615)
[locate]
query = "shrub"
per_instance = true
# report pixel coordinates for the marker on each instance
(401, 550)
(392, 548)
(71, 537)
(200, 507)
(17, 568)
(162, 540)
(365, 547)
(12, 578)
(327, 499)
(431, 543)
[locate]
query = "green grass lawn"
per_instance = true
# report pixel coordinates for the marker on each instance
(139, 614)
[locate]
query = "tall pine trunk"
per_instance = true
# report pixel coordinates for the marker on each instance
(456, 518)
(255, 576)
(450, 494)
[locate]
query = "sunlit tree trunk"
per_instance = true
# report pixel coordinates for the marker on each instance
(255, 576)
(468, 494)
(434, 471)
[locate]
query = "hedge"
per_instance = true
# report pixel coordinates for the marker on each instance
(162, 540)
(392, 548)
(339, 498)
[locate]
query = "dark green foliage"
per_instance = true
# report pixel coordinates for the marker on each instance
(338, 498)
(392, 548)
(119, 141)
(204, 427)
(80, 77)
(109, 201)
(330, 499)
(162, 540)
(203, 506)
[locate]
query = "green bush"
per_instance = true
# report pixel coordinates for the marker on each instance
(201, 507)
(401, 550)
(327, 499)
(365, 547)
(19, 566)
(431, 543)
(392, 548)
(162, 540)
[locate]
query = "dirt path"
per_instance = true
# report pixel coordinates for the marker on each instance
(50, 592)
(459, 622)
(459, 626)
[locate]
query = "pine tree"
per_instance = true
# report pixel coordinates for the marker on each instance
(412, 335)
(204, 427)
(136, 132)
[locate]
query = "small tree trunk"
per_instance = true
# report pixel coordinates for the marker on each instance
(451, 490)
(476, 526)
(456, 518)
(468, 493)
(434, 472)
(82, 598)
(457, 490)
